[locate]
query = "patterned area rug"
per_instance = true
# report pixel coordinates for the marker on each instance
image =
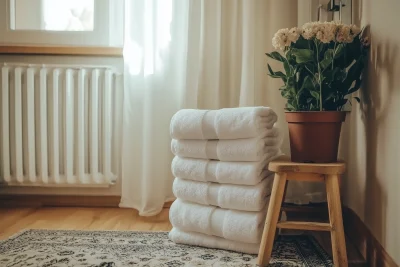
(47, 248)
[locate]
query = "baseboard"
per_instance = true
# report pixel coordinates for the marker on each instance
(58, 201)
(36, 201)
(365, 242)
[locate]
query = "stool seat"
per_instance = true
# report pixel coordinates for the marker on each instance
(328, 173)
(283, 164)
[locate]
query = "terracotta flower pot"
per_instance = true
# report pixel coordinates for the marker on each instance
(314, 135)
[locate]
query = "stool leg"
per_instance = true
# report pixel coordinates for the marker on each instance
(335, 217)
(274, 208)
(281, 211)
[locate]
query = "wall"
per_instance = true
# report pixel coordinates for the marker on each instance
(27, 14)
(371, 136)
(117, 62)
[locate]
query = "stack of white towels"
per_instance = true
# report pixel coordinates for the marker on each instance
(222, 183)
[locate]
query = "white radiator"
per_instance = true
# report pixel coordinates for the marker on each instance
(57, 125)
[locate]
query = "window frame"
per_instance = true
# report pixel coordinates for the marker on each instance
(107, 32)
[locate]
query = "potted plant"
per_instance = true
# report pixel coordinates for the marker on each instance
(323, 64)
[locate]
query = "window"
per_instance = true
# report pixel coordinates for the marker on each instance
(53, 15)
(72, 15)
(62, 22)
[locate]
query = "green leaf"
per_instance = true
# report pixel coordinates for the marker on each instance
(307, 83)
(315, 94)
(356, 86)
(303, 55)
(340, 75)
(285, 93)
(291, 83)
(353, 73)
(289, 107)
(351, 51)
(328, 57)
(330, 96)
(332, 75)
(321, 46)
(355, 70)
(358, 99)
(339, 50)
(322, 77)
(299, 93)
(288, 70)
(290, 57)
(270, 70)
(276, 76)
(291, 89)
(302, 43)
(276, 55)
(280, 74)
(341, 102)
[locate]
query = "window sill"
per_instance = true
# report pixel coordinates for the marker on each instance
(61, 50)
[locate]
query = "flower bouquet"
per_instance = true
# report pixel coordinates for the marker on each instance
(323, 64)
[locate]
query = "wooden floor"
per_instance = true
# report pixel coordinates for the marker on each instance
(14, 220)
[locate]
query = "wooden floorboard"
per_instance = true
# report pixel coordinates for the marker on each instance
(15, 220)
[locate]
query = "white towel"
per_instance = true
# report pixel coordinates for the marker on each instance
(245, 173)
(227, 123)
(227, 196)
(197, 239)
(243, 226)
(252, 149)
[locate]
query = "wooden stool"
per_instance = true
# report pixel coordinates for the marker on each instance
(330, 174)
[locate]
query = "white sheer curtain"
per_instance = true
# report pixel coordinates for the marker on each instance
(193, 54)
(154, 55)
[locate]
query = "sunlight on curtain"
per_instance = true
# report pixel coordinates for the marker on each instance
(145, 47)
(154, 55)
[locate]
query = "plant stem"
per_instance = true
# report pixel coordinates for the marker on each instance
(312, 73)
(334, 54)
(319, 78)
(333, 58)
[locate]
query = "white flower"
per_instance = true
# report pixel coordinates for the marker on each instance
(328, 32)
(365, 41)
(325, 32)
(309, 30)
(308, 34)
(319, 35)
(281, 39)
(294, 34)
(354, 29)
(343, 35)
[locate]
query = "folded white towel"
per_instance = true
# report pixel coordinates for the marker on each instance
(227, 123)
(243, 226)
(227, 196)
(197, 239)
(252, 149)
(245, 173)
